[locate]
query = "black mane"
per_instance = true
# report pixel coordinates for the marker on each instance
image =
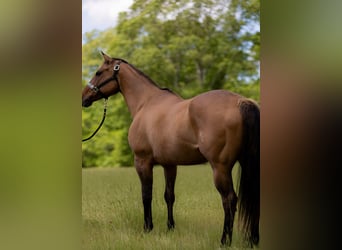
(144, 75)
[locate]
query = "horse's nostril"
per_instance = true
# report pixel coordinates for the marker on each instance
(86, 103)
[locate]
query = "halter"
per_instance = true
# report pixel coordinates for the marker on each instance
(96, 89)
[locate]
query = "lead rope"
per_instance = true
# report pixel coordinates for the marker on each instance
(103, 118)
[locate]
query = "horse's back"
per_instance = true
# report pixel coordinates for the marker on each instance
(219, 98)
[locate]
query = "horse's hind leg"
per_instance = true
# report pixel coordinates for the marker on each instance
(145, 171)
(224, 184)
(170, 173)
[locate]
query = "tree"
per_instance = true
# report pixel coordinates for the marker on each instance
(202, 45)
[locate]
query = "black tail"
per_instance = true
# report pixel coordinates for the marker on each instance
(249, 188)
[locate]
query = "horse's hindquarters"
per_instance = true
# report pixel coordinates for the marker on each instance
(217, 122)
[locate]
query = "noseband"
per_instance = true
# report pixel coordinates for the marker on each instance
(96, 89)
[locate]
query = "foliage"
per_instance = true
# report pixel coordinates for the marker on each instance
(189, 46)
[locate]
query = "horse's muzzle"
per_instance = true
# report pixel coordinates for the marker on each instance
(86, 103)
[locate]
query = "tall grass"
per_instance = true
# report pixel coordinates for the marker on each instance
(113, 213)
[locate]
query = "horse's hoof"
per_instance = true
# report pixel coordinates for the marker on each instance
(148, 228)
(225, 241)
(170, 226)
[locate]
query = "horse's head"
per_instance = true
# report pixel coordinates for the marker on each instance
(104, 83)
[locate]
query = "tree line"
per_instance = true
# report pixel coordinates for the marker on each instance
(189, 46)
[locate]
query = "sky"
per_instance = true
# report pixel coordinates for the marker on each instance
(102, 14)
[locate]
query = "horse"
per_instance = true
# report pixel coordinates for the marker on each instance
(218, 126)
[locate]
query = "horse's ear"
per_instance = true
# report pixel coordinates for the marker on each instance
(105, 57)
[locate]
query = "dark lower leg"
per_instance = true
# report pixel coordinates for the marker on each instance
(145, 172)
(170, 220)
(147, 200)
(229, 206)
(170, 173)
(224, 184)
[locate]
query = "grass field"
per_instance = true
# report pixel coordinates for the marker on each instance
(113, 213)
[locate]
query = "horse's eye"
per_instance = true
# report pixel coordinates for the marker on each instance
(98, 73)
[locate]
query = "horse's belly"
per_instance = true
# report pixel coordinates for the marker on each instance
(169, 154)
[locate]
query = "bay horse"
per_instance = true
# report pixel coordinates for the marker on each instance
(219, 127)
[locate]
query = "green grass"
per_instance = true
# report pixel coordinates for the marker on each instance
(113, 213)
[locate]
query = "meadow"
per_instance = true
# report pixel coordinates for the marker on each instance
(112, 211)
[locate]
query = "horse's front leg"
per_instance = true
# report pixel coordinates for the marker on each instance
(170, 173)
(145, 171)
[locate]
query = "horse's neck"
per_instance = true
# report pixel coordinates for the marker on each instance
(137, 90)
